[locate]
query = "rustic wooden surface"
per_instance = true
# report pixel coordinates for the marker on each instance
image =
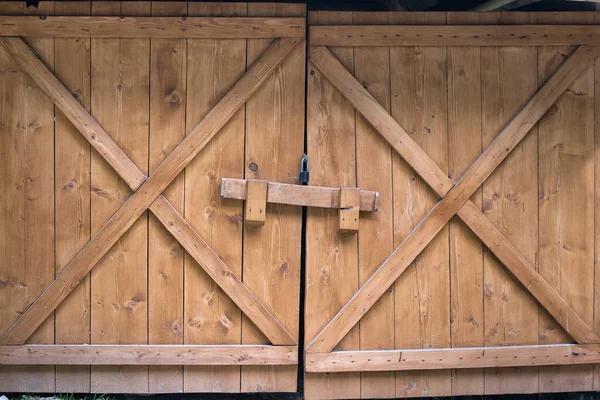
(482, 89)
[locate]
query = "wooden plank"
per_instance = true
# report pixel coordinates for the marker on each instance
(120, 78)
(275, 144)
(63, 98)
(152, 27)
(188, 354)
(566, 203)
(211, 317)
(422, 312)
(141, 199)
(298, 195)
(468, 358)
(440, 35)
(473, 177)
(481, 226)
(168, 68)
(375, 236)
(72, 203)
(331, 258)
(466, 250)
(27, 202)
(510, 203)
(349, 210)
(256, 202)
(597, 206)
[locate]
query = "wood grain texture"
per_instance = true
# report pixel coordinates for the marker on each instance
(422, 312)
(120, 87)
(331, 258)
(148, 355)
(275, 143)
(211, 316)
(566, 199)
(440, 35)
(597, 206)
(467, 358)
(255, 207)
(152, 188)
(298, 195)
(375, 231)
(152, 27)
(465, 186)
(168, 69)
(466, 250)
(72, 202)
(27, 223)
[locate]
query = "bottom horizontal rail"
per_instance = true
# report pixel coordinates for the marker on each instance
(148, 355)
(471, 357)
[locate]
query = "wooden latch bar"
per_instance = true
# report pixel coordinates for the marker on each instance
(300, 195)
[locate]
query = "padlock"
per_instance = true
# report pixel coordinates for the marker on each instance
(303, 179)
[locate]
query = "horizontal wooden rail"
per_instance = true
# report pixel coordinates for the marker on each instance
(472, 357)
(298, 195)
(154, 27)
(453, 35)
(148, 355)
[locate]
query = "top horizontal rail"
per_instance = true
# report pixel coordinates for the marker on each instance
(152, 27)
(453, 35)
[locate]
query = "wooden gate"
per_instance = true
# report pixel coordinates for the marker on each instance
(137, 108)
(487, 289)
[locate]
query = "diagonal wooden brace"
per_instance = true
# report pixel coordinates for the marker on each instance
(149, 193)
(455, 200)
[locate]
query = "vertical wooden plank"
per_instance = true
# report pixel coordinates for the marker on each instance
(27, 201)
(165, 255)
(510, 201)
(72, 191)
(597, 206)
(120, 103)
(466, 250)
(275, 144)
(349, 210)
(566, 204)
(331, 258)
(210, 316)
(375, 236)
(256, 203)
(419, 104)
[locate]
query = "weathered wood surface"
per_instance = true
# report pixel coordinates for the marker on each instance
(440, 35)
(298, 195)
(141, 355)
(151, 27)
(467, 358)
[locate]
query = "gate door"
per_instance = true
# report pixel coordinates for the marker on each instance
(146, 105)
(490, 289)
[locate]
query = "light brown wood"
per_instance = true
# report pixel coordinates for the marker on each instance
(566, 203)
(466, 250)
(149, 191)
(119, 299)
(454, 35)
(211, 316)
(27, 240)
(72, 190)
(298, 195)
(474, 176)
(152, 27)
(79, 117)
(332, 275)
(168, 94)
(256, 202)
(349, 210)
(437, 359)
(148, 355)
(274, 142)
(427, 169)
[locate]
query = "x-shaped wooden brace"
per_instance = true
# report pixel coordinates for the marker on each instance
(147, 192)
(455, 198)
